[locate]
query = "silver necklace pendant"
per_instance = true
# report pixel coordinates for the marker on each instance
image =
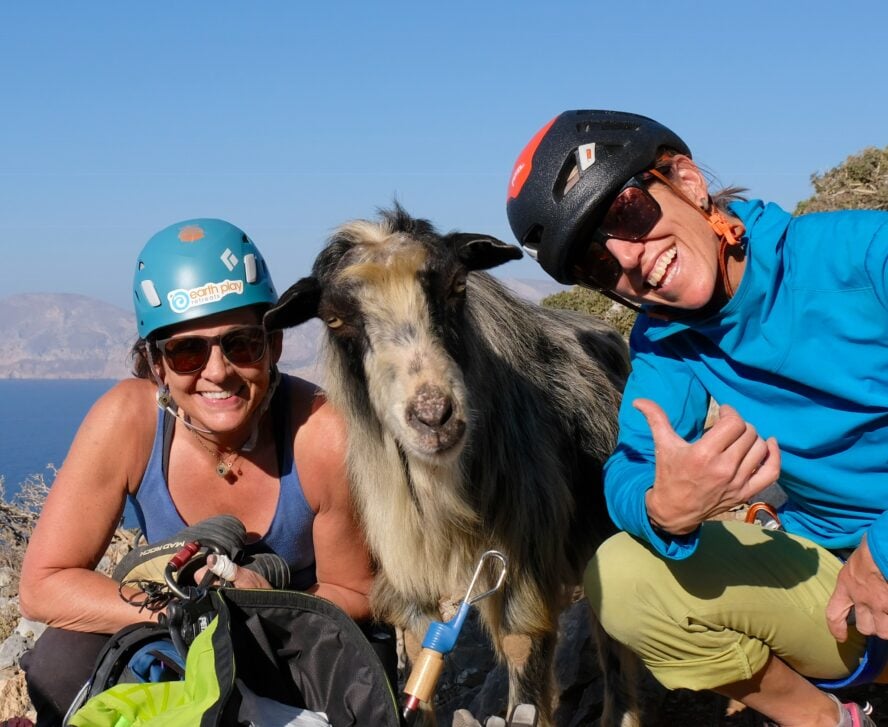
(222, 469)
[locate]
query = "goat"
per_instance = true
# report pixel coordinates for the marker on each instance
(476, 420)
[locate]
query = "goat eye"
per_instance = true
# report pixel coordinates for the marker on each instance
(459, 286)
(333, 322)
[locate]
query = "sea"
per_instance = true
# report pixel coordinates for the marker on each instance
(37, 425)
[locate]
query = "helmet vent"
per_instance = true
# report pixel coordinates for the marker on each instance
(532, 238)
(150, 293)
(567, 178)
(250, 267)
(605, 125)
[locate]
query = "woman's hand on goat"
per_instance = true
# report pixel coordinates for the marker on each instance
(695, 481)
(860, 586)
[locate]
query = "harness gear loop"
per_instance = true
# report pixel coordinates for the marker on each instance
(773, 519)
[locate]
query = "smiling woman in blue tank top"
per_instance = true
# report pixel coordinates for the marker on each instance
(208, 427)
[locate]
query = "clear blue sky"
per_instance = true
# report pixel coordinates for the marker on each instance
(289, 118)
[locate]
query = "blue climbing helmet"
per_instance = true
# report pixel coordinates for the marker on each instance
(196, 268)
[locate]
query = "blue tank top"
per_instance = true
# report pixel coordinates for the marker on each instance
(290, 532)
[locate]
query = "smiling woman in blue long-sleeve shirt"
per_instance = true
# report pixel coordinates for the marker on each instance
(781, 320)
(801, 352)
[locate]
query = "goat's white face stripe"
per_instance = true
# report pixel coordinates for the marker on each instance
(403, 360)
(391, 299)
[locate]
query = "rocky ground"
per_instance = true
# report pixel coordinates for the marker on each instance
(18, 634)
(472, 679)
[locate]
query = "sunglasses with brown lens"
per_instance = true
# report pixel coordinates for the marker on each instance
(242, 346)
(631, 216)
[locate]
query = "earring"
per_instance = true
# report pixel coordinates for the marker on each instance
(163, 397)
(704, 204)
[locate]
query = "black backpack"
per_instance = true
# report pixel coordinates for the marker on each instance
(288, 646)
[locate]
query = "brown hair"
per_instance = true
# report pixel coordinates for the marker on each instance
(721, 198)
(139, 363)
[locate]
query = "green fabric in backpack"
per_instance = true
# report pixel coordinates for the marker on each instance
(197, 700)
(293, 648)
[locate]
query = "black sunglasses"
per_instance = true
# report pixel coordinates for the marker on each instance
(631, 216)
(241, 346)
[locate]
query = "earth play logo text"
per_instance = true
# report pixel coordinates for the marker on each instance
(181, 299)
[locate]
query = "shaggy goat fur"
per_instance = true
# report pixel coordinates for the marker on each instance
(476, 421)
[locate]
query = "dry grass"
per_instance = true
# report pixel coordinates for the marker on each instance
(18, 516)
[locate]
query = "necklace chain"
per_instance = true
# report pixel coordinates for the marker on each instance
(223, 468)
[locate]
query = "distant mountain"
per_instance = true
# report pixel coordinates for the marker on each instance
(63, 336)
(534, 290)
(67, 336)
(301, 347)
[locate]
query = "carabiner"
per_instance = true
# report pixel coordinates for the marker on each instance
(499, 581)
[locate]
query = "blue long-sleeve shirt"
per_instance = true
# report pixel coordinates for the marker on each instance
(801, 352)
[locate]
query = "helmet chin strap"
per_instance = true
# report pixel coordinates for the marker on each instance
(617, 298)
(165, 403)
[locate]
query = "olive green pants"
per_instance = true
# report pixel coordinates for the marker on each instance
(714, 618)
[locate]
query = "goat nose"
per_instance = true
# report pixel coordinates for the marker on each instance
(431, 405)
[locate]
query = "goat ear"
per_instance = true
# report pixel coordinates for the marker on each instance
(482, 252)
(298, 304)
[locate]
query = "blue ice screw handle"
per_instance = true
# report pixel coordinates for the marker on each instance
(441, 637)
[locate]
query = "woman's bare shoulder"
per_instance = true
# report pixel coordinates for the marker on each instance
(320, 441)
(127, 402)
(313, 414)
(121, 424)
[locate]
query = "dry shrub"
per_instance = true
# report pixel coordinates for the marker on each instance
(860, 182)
(590, 302)
(18, 516)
